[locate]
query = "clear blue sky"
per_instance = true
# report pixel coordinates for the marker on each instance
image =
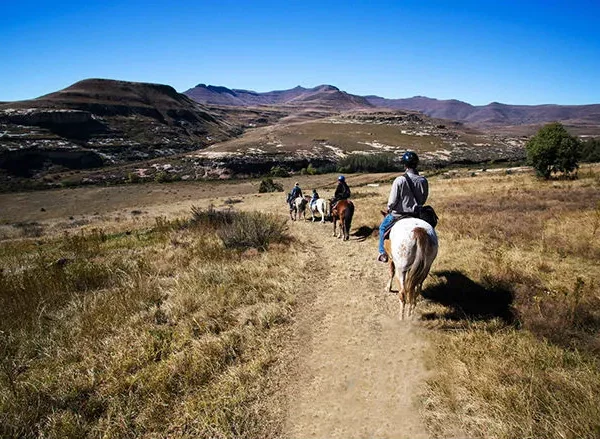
(515, 52)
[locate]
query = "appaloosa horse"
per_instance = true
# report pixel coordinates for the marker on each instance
(342, 211)
(298, 208)
(413, 246)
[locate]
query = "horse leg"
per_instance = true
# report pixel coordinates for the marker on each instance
(402, 294)
(334, 224)
(392, 269)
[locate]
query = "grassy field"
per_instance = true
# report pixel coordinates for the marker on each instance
(126, 314)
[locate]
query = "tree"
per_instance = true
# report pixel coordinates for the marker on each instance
(553, 149)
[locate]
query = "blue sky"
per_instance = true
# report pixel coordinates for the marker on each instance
(515, 52)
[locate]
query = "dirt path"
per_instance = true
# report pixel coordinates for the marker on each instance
(360, 366)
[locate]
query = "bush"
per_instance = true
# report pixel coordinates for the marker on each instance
(278, 171)
(212, 218)
(552, 150)
(253, 230)
(368, 163)
(162, 177)
(133, 178)
(268, 185)
(590, 151)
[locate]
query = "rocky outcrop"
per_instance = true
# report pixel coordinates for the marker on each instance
(118, 121)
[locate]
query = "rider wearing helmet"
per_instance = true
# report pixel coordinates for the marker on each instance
(404, 197)
(294, 193)
(342, 191)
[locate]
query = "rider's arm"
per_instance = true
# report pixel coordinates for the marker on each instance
(394, 194)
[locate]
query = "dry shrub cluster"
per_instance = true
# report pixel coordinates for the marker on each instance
(155, 332)
(516, 309)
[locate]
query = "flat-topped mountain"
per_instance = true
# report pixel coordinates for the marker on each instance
(98, 122)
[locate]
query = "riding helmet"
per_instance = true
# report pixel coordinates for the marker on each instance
(341, 178)
(410, 159)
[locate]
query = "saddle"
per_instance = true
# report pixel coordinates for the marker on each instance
(386, 233)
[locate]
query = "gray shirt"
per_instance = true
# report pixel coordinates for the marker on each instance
(401, 197)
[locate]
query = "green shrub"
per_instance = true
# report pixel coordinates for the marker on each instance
(368, 163)
(590, 151)
(553, 150)
(133, 178)
(268, 185)
(162, 177)
(279, 171)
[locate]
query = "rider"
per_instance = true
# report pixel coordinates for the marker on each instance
(342, 191)
(402, 200)
(294, 193)
(315, 197)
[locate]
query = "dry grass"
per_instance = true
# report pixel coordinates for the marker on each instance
(515, 309)
(102, 335)
(105, 331)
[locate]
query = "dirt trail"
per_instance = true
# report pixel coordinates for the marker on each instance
(360, 366)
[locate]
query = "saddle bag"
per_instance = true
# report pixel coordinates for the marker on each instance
(427, 214)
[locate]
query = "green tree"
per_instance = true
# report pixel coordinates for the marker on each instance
(553, 149)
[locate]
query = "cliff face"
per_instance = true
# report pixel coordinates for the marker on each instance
(116, 121)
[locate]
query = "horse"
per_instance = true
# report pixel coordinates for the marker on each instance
(413, 246)
(298, 208)
(323, 206)
(343, 211)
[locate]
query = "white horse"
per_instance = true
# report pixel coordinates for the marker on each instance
(298, 209)
(322, 206)
(413, 246)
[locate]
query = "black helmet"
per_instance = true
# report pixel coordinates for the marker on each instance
(410, 159)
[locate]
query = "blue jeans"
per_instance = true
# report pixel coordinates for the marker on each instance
(385, 224)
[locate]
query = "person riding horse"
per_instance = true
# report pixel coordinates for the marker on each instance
(313, 200)
(294, 193)
(404, 197)
(342, 191)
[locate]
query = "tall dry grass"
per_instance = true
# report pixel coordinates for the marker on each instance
(157, 332)
(515, 310)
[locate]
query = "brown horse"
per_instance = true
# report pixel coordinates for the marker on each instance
(343, 211)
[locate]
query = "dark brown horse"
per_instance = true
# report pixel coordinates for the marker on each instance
(343, 211)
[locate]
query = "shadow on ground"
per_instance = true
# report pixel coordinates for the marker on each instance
(363, 232)
(467, 299)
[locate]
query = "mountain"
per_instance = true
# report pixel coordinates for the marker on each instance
(98, 121)
(328, 97)
(494, 114)
(324, 97)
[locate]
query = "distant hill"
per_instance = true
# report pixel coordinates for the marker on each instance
(494, 113)
(326, 97)
(329, 97)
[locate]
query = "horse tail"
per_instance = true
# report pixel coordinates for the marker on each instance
(419, 269)
(348, 214)
(327, 208)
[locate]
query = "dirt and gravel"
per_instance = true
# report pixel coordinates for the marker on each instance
(360, 367)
